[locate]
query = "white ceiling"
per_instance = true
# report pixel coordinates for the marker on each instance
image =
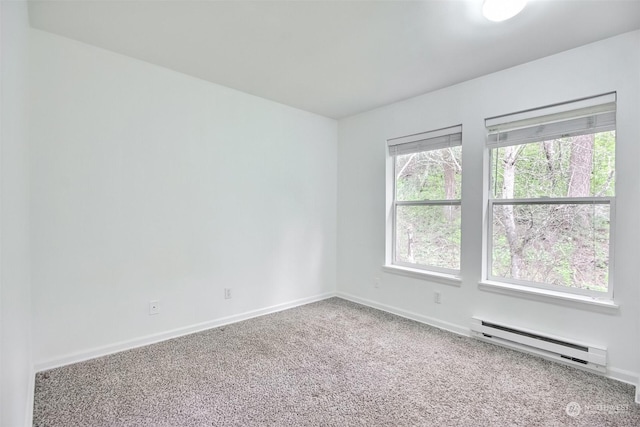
(334, 58)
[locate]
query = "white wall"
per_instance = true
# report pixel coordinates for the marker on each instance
(149, 184)
(16, 372)
(609, 65)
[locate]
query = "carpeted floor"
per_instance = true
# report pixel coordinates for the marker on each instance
(331, 363)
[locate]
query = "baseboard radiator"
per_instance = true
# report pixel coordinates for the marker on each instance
(576, 354)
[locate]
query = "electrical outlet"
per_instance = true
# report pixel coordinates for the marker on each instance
(154, 307)
(376, 282)
(437, 298)
(227, 293)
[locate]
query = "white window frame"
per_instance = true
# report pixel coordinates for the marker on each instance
(555, 114)
(416, 143)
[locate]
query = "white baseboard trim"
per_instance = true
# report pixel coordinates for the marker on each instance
(623, 376)
(456, 329)
(613, 373)
(174, 333)
(626, 377)
(31, 391)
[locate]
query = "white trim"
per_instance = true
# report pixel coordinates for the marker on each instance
(453, 272)
(390, 215)
(546, 295)
(394, 213)
(173, 333)
(592, 200)
(434, 276)
(450, 202)
(31, 391)
(624, 376)
(440, 324)
(589, 294)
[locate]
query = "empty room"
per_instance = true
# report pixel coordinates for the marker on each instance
(319, 213)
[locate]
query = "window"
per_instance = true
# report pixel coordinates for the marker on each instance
(427, 171)
(551, 201)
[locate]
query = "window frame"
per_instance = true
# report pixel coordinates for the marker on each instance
(493, 201)
(395, 203)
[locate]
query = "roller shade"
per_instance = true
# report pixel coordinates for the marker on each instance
(582, 117)
(433, 140)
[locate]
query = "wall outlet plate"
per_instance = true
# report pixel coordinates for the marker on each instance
(227, 293)
(154, 307)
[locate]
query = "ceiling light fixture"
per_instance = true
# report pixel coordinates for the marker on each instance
(501, 10)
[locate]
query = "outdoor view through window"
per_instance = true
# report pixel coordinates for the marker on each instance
(427, 216)
(551, 204)
(551, 201)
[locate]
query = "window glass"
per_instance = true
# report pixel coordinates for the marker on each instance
(428, 235)
(429, 175)
(559, 244)
(578, 166)
(551, 199)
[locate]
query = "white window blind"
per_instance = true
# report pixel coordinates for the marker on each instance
(434, 140)
(591, 115)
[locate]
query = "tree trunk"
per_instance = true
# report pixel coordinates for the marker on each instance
(399, 174)
(448, 164)
(549, 153)
(410, 257)
(581, 166)
(508, 190)
(580, 169)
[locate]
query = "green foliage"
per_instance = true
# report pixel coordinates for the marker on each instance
(565, 245)
(429, 234)
(543, 168)
(604, 160)
(434, 233)
(422, 176)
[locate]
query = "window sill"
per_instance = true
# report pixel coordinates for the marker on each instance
(444, 278)
(579, 301)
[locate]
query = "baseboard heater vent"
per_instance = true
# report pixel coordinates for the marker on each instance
(554, 348)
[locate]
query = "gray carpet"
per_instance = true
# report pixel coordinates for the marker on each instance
(331, 363)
